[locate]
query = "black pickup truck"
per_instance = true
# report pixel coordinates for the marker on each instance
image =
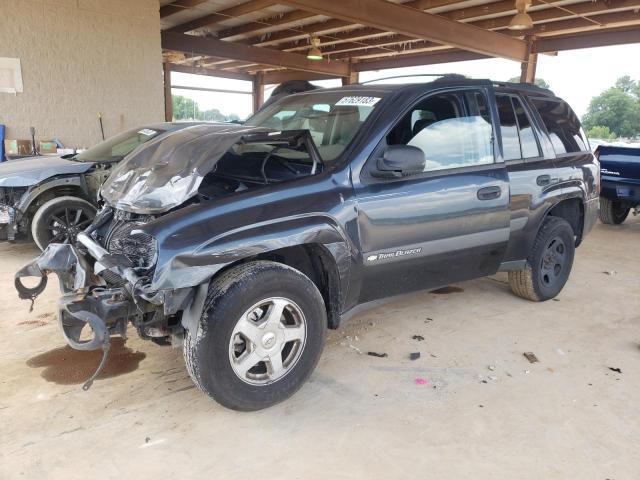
(245, 243)
(620, 170)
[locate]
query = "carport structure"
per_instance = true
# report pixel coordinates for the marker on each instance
(266, 41)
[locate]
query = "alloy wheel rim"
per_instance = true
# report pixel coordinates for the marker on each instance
(553, 261)
(267, 341)
(65, 224)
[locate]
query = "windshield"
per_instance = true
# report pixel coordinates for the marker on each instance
(332, 118)
(116, 148)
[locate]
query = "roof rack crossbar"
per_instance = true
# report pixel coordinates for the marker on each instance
(525, 86)
(440, 75)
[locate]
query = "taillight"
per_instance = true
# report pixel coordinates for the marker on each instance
(598, 174)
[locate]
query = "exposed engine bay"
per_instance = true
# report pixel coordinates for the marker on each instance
(109, 277)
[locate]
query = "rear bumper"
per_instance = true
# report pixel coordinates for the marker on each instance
(623, 190)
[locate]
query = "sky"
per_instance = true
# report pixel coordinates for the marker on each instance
(576, 76)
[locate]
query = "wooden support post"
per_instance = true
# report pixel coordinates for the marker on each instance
(528, 67)
(168, 100)
(352, 79)
(258, 91)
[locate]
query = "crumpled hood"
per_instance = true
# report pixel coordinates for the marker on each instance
(33, 170)
(165, 172)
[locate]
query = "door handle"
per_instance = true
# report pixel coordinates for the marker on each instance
(489, 193)
(544, 180)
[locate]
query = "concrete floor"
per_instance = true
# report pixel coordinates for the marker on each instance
(566, 417)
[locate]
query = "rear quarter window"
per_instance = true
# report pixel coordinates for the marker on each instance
(562, 124)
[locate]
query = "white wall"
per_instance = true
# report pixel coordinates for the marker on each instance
(81, 57)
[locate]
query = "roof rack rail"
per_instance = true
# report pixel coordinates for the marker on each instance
(440, 76)
(525, 86)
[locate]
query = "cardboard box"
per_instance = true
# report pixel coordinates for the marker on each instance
(47, 147)
(17, 147)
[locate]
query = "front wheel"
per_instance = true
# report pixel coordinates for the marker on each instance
(260, 336)
(549, 263)
(60, 220)
(612, 213)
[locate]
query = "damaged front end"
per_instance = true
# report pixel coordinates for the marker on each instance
(99, 290)
(115, 274)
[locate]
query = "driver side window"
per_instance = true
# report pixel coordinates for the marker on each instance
(452, 130)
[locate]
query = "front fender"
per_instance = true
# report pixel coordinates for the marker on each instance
(34, 192)
(195, 266)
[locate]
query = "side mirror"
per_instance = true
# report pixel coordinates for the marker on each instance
(399, 161)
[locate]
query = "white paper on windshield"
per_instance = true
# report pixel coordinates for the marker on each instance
(147, 131)
(358, 101)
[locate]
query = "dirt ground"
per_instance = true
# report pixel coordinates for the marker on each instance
(471, 407)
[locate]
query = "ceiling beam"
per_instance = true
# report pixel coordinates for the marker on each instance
(589, 23)
(398, 46)
(280, 76)
(223, 15)
(499, 23)
(294, 16)
(416, 23)
(326, 26)
(210, 72)
(178, 6)
(413, 60)
(234, 51)
(553, 15)
(430, 6)
(597, 38)
(360, 42)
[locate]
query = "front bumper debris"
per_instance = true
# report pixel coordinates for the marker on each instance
(86, 299)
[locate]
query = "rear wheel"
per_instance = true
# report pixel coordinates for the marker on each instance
(549, 263)
(260, 336)
(612, 213)
(60, 220)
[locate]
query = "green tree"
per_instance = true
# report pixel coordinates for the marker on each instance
(617, 108)
(598, 131)
(627, 85)
(184, 108)
(212, 115)
(538, 81)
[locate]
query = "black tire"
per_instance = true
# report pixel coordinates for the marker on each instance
(208, 350)
(612, 213)
(549, 263)
(60, 220)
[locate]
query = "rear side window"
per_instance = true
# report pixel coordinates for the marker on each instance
(528, 142)
(509, 129)
(518, 138)
(562, 124)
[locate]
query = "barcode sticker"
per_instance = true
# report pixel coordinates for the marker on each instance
(147, 131)
(359, 101)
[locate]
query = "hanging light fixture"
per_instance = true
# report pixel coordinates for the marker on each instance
(521, 20)
(314, 52)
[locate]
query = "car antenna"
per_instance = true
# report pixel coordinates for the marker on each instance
(101, 125)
